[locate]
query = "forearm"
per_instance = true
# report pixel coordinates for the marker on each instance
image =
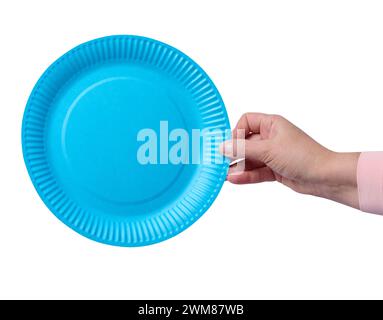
(337, 179)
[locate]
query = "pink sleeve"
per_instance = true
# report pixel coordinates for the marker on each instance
(370, 182)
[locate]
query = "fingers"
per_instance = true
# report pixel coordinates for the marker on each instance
(245, 164)
(247, 145)
(249, 149)
(250, 123)
(258, 175)
(236, 149)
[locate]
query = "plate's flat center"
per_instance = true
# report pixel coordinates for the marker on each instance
(104, 112)
(123, 107)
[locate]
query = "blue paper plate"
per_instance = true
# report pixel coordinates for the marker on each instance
(80, 140)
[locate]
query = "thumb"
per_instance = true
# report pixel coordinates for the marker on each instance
(252, 149)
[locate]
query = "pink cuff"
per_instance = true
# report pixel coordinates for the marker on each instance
(370, 182)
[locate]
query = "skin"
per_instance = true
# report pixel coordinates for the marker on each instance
(277, 150)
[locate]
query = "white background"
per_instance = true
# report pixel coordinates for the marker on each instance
(318, 63)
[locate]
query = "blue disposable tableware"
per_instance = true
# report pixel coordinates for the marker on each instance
(79, 138)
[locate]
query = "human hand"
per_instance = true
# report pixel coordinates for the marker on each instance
(276, 150)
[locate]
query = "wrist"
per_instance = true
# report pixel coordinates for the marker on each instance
(338, 178)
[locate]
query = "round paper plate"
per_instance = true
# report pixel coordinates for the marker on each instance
(102, 133)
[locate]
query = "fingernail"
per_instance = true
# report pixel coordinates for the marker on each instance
(237, 168)
(226, 148)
